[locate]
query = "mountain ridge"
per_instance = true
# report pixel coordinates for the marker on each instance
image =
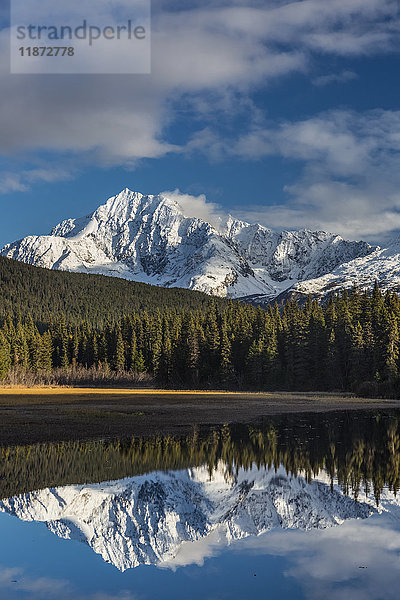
(149, 239)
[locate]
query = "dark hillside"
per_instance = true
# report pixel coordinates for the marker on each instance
(45, 294)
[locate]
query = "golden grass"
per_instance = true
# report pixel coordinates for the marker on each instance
(80, 393)
(72, 391)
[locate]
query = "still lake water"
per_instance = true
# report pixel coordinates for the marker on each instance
(295, 506)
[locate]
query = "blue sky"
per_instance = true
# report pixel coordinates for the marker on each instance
(286, 113)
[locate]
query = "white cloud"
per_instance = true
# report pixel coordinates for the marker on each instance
(16, 581)
(11, 182)
(196, 552)
(22, 181)
(197, 206)
(342, 77)
(47, 175)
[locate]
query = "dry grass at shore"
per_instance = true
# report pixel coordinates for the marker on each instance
(97, 391)
(76, 376)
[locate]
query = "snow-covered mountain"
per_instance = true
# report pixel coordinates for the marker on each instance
(149, 239)
(147, 519)
(381, 265)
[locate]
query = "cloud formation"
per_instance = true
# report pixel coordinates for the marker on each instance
(342, 77)
(326, 563)
(16, 581)
(350, 183)
(197, 206)
(22, 181)
(201, 49)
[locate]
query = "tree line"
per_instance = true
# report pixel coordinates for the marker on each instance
(349, 343)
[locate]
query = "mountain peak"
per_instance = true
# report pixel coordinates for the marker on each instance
(125, 201)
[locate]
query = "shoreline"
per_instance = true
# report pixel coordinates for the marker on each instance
(32, 415)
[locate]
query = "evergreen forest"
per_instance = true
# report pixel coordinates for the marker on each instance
(52, 321)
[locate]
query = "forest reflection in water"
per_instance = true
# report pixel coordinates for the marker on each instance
(360, 450)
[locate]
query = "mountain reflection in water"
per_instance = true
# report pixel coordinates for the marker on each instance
(291, 472)
(145, 519)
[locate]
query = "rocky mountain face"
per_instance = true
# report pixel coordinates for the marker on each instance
(149, 239)
(147, 519)
(381, 265)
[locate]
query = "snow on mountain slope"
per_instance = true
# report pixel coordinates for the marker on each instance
(147, 519)
(292, 255)
(382, 265)
(149, 239)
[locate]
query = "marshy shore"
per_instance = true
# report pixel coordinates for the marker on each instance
(41, 414)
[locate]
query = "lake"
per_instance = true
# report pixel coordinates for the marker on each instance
(296, 506)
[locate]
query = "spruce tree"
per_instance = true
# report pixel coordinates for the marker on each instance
(44, 353)
(226, 373)
(5, 356)
(118, 362)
